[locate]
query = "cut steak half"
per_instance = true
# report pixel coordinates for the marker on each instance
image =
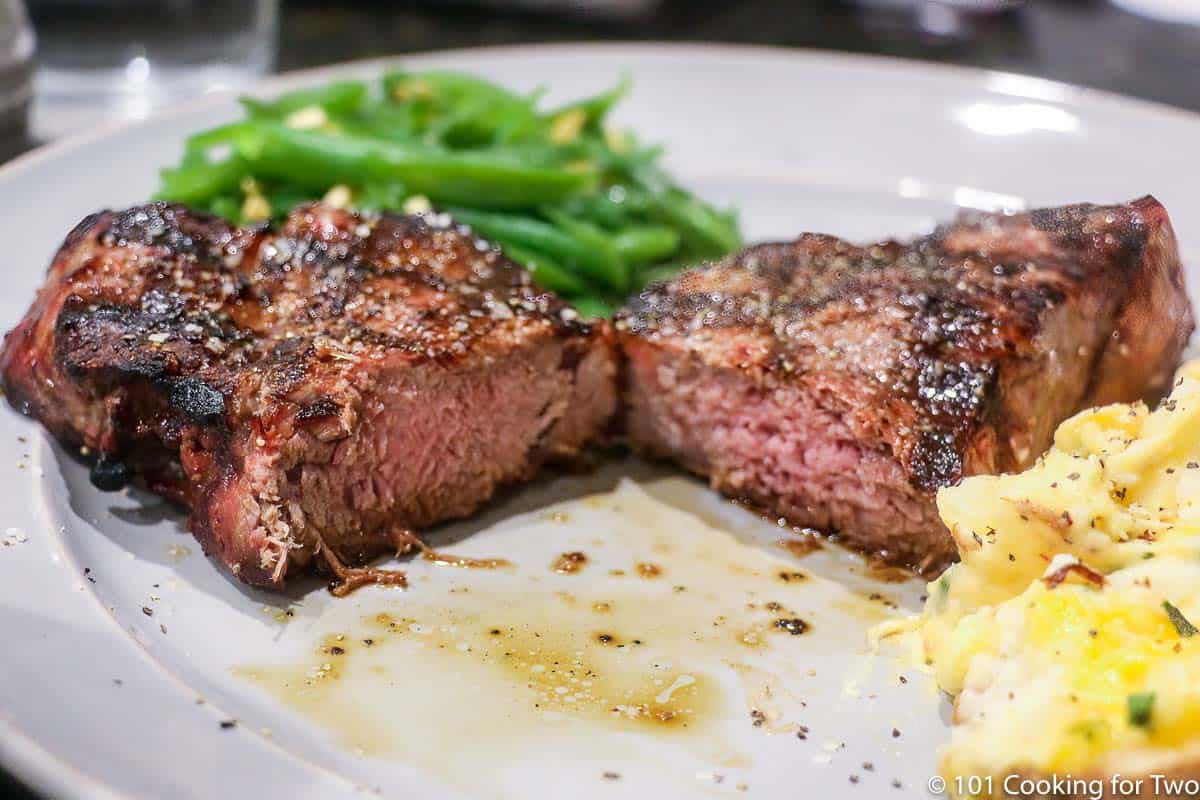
(313, 393)
(840, 386)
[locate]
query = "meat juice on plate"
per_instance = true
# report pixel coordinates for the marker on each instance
(637, 621)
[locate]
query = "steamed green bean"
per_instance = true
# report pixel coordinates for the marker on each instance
(545, 270)
(582, 205)
(646, 244)
(547, 238)
(342, 97)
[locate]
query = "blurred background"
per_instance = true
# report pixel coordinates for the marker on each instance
(69, 66)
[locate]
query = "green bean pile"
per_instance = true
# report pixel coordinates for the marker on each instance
(583, 206)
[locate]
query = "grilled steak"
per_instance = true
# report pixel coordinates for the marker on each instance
(312, 394)
(840, 386)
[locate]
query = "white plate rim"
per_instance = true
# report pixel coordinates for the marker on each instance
(1070, 93)
(43, 770)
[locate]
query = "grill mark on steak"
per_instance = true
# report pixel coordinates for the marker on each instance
(309, 389)
(318, 409)
(955, 354)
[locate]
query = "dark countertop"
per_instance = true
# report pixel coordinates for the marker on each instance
(1087, 42)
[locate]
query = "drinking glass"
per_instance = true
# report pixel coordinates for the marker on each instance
(114, 60)
(16, 52)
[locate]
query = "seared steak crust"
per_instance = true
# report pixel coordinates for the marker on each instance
(329, 385)
(840, 386)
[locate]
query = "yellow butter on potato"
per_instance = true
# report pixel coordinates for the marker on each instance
(1066, 633)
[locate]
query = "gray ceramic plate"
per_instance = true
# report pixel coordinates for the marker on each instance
(126, 649)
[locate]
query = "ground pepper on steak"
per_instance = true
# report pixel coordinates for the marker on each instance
(311, 393)
(839, 386)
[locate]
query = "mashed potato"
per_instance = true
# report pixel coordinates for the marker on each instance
(1066, 631)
